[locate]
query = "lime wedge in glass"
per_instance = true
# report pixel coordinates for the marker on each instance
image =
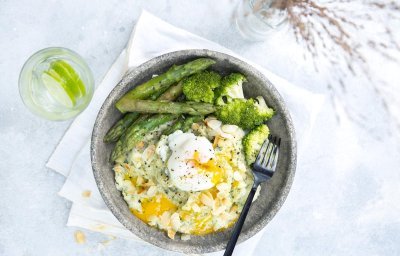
(58, 89)
(56, 83)
(71, 78)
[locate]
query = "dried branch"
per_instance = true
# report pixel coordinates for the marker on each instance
(338, 32)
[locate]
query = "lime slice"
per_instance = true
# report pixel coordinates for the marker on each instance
(71, 78)
(57, 88)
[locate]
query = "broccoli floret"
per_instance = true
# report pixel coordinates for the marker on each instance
(199, 87)
(246, 113)
(231, 88)
(253, 141)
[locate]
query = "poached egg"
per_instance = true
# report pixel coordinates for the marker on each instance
(192, 165)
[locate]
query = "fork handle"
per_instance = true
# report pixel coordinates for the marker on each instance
(239, 224)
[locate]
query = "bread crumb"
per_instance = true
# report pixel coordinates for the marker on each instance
(99, 227)
(107, 242)
(80, 237)
(171, 233)
(86, 193)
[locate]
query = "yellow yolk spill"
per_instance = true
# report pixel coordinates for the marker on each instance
(235, 184)
(126, 176)
(210, 166)
(132, 179)
(154, 207)
(200, 224)
(214, 192)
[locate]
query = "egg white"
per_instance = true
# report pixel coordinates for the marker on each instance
(183, 172)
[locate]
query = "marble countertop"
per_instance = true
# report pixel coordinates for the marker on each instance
(344, 202)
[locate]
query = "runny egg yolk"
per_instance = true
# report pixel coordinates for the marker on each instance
(200, 226)
(209, 167)
(154, 207)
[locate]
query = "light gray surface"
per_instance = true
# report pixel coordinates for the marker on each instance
(345, 201)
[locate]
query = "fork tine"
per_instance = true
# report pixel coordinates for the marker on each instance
(275, 156)
(260, 154)
(268, 151)
(271, 156)
(277, 153)
(272, 152)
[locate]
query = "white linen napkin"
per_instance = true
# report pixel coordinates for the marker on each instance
(150, 38)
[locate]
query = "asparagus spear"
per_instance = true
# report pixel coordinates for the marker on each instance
(120, 127)
(175, 126)
(150, 106)
(173, 75)
(136, 132)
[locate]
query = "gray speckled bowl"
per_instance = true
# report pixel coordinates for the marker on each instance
(273, 193)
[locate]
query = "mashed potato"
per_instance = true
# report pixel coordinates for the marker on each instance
(152, 196)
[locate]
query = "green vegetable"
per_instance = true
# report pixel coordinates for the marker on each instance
(172, 93)
(135, 133)
(231, 88)
(199, 87)
(163, 81)
(119, 128)
(150, 106)
(187, 123)
(246, 113)
(183, 123)
(177, 125)
(253, 141)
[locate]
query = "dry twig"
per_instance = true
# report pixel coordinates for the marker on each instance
(330, 30)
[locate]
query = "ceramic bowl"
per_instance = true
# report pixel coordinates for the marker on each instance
(273, 193)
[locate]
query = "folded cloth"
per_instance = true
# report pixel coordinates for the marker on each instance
(150, 38)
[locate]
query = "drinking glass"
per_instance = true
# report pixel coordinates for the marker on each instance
(49, 99)
(256, 19)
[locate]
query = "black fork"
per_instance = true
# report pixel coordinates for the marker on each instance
(263, 169)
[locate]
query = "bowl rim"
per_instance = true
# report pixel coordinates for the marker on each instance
(275, 205)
